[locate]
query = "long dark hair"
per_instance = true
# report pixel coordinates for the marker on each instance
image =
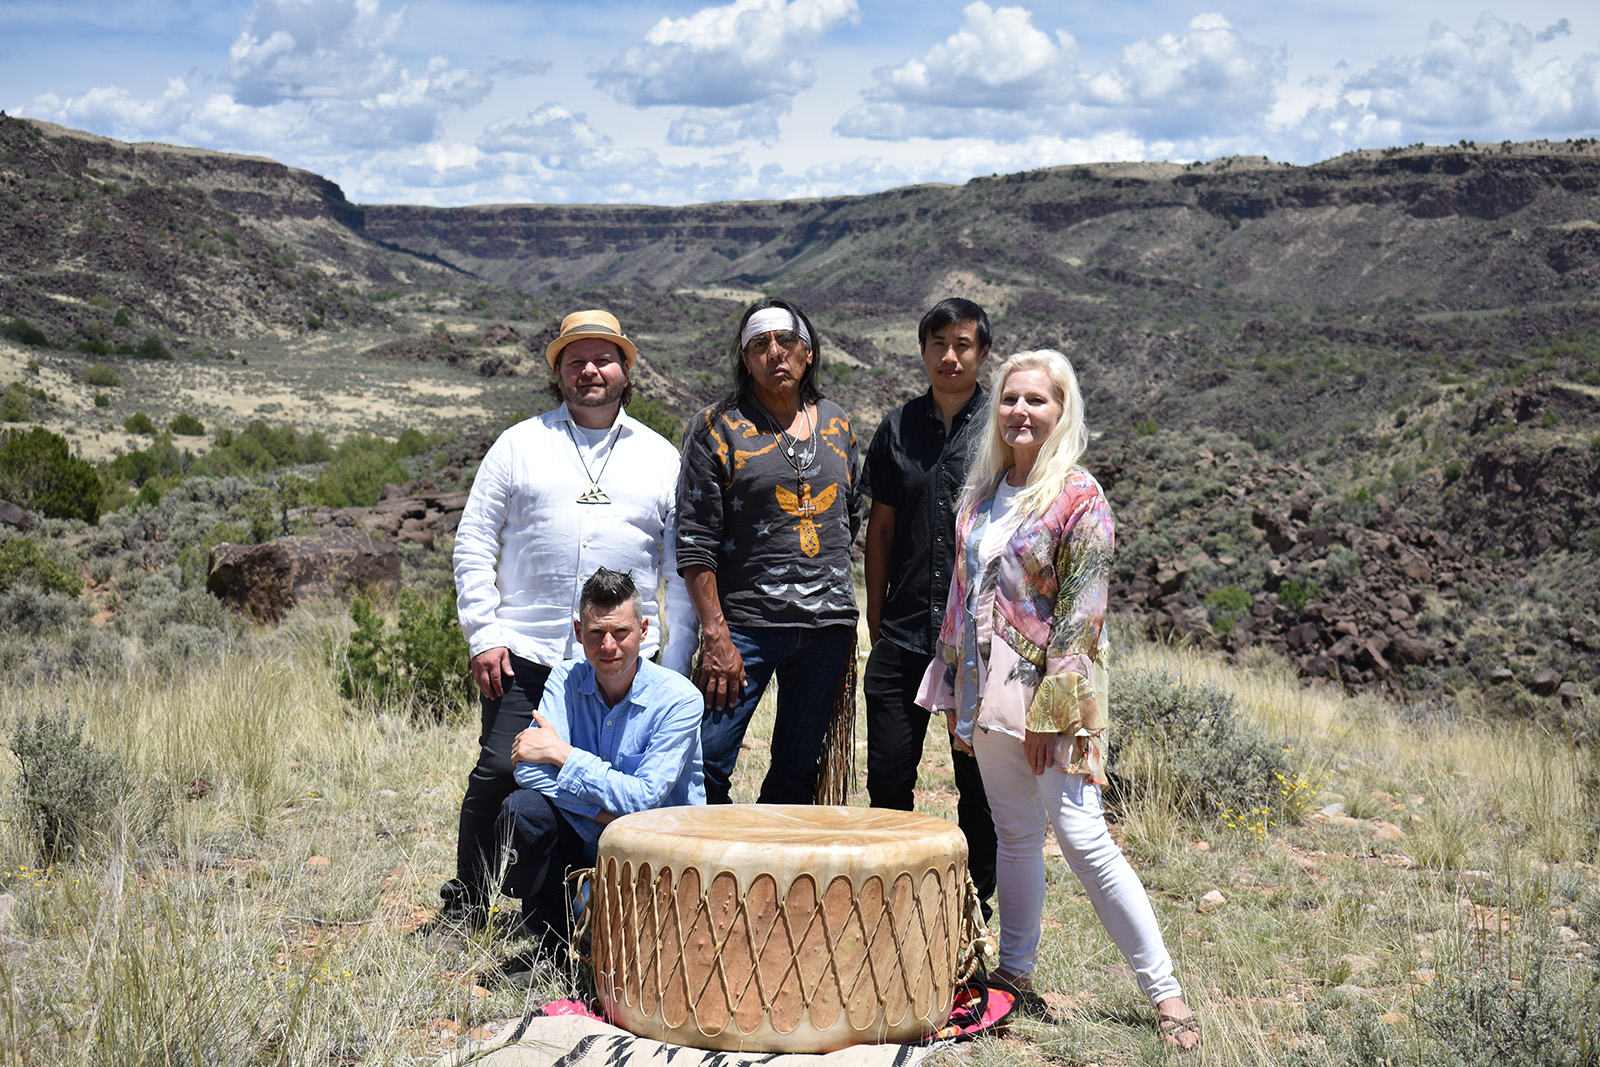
(809, 393)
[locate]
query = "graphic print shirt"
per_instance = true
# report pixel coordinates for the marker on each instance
(778, 539)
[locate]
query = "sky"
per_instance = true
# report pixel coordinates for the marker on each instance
(668, 102)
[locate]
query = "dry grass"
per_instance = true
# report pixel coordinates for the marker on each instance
(264, 897)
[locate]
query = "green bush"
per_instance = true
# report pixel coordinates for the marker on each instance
(23, 560)
(186, 425)
(1295, 594)
(139, 422)
(1200, 753)
(654, 414)
(260, 449)
(67, 789)
(22, 331)
(101, 374)
(1485, 1019)
(38, 472)
(423, 663)
(123, 317)
(160, 460)
(153, 347)
(361, 467)
(14, 407)
(101, 400)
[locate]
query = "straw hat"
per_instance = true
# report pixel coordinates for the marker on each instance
(581, 324)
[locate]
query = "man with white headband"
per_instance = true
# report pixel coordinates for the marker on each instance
(558, 497)
(769, 501)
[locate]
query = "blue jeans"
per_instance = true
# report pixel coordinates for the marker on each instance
(808, 662)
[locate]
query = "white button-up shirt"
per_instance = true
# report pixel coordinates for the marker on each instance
(525, 545)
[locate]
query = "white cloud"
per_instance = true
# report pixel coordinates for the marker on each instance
(117, 112)
(726, 56)
(997, 59)
(555, 137)
(1487, 83)
(1208, 78)
(519, 68)
(713, 127)
(1000, 77)
(313, 50)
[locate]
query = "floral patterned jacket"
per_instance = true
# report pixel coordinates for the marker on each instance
(1044, 596)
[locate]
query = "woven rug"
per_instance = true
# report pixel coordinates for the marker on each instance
(579, 1041)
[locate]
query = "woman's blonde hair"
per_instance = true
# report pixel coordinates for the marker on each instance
(1061, 450)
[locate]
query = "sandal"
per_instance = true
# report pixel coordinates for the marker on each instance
(1026, 999)
(1174, 1029)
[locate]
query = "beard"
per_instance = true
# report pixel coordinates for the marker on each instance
(603, 395)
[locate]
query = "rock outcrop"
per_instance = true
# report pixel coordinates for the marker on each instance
(266, 580)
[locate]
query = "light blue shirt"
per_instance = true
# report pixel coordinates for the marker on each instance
(644, 753)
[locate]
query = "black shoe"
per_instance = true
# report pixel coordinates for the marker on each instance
(459, 909)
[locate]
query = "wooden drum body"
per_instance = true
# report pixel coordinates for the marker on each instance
(779, 928)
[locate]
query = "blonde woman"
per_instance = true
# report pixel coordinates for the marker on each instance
(1021, 675)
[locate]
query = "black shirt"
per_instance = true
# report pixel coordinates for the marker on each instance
(915, 469)
(779, 539)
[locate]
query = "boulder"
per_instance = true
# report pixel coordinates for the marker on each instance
(13, 515)
(266, 580)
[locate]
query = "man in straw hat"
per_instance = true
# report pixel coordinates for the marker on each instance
(558, 497)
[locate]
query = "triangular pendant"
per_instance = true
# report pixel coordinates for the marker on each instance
(594, 495)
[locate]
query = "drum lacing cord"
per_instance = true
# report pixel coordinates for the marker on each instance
(577, 883)
(976, 931)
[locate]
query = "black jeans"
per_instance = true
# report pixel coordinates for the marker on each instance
(544, 849)
(896, 727)
(478, 844)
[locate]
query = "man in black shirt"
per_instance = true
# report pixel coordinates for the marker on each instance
(915, 468)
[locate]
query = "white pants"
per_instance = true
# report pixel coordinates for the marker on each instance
(1023, 805)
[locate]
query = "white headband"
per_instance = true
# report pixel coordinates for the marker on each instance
(768, 320)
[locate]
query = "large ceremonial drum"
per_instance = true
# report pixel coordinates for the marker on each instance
(779, 928)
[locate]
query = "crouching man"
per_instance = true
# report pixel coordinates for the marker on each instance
(613, 734)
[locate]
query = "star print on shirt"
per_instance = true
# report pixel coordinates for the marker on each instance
(694, 494)
(738, 502)
(763, 528)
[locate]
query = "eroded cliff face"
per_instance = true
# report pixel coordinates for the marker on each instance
(1458, 227)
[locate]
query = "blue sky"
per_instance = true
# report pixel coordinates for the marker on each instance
(491, 101)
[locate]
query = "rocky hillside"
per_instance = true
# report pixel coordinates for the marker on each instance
(1318, 391)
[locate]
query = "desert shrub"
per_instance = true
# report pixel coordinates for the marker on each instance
(23, 560)
(186, 425)
(14, 407)
(654, 414)
(160, 460)
(1359, 506)
(24, 332)
(123, 317)
(361, 467)
(1485, 1019)
(101, 400)
(139, 422)
(38, 472)
(67, 788)
(1226, 605)
(1197, 749)
(153, 347)
(260, 448)
(101, 374)
(1295, 594)
(422, 663)
(1343, 564)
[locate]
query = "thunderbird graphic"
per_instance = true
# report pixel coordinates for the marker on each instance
(805, 509)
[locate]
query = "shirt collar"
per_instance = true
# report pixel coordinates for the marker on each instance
(973, 403)
(589, 683)
(562, 413)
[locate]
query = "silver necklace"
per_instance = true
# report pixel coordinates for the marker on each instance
(798, 459)
(594, 494)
